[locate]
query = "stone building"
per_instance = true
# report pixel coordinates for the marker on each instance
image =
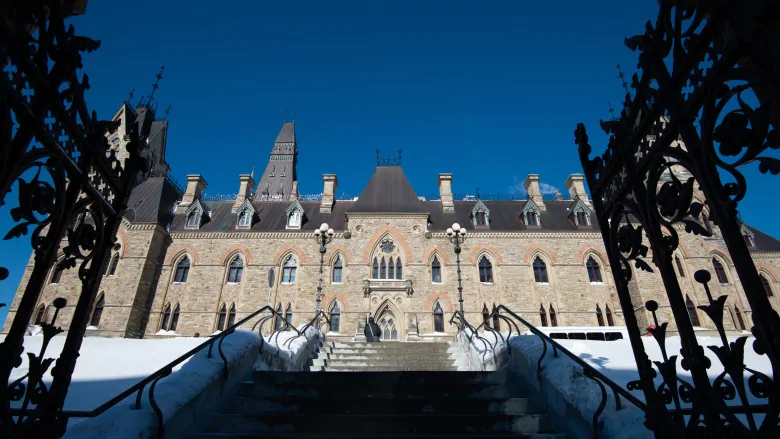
(189, 265)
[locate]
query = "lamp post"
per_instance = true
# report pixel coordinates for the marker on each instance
(323, 235)
(457, 235)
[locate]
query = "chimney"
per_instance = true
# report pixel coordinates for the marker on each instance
(531, 186)
(330, 183)
(245, 185)
(445, 193)
(294, 193)
(576, 186)
(195, 186)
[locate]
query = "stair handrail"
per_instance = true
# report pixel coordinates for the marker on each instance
(166, 370)
(588, 370)
(460, 321)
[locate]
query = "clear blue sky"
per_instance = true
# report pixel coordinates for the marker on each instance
(490, 91)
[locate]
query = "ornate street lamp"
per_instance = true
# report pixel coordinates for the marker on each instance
(457, 235)
(323, 235)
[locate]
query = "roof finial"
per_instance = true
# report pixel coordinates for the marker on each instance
(167, 111)
(156, 85)
(622, 77)
(130, 96)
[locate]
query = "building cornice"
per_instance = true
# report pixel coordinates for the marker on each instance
(386, 215)
(521, 234)
(766, 255)
(303, 234)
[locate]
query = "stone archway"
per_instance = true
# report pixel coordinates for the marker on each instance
(390, 321)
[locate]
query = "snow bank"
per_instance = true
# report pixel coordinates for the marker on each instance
(287, 351)
(485, 351)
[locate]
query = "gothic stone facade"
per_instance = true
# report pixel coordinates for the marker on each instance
(184, 264)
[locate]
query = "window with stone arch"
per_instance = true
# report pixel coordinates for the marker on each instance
(740, 321)
(40, 315)
(496, 319)
(289, 270)
(235, 270)
(279, 320)
(222, 317)
(97, 311)
(386, 263)
(387, 326)
(436, 270)
(599, 315)
(543, 315)
(288, 314)
(182, 270)
(767, 286)
(335, 317)
(485, 270)
(337, 271)
(540, 270)
(485, 316)
(113, 264)
(56, 274)
(594, 270)
(610, 319)
(231, 315)
(170, 319)
(720, 271)
(438, 318)
(678, 262)
(694, 316)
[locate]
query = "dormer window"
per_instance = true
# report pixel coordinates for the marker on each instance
(245, 219)
(480, 215)
(748, 236)
(195, 215)
(531, 214)
(193, 220)
(580, 213)
(294, 215)
(245, 214)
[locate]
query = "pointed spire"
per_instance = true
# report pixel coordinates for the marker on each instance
(156, 84)
(286, 134)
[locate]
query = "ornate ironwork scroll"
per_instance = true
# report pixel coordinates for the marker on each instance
(705, 103)
(71, 190)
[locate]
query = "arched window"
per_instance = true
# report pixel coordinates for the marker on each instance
(193, 219)
(436, 270)
(594, 271)
(39, 316)
(438, 318)
(245, 218)
(387, 325)
(335, 317)
(543, 315)
(599, 316)
(531, 218)
(337, 270)
(57, 274)
(720, 272)
(610, 321)
(485, 316)
(112, 265)
(232, 315)
(174, 318)
(375, 270)
(97, 312)
(236, 270)
(383, 269)
(222, 317)
(391, 269)
(485, 270)
(480, 218)
(740, 321)
(679, 266)
(166, 317)
(582, 218)
(540, 271)
(288, 271)
(279, 321)
(182, 270)
(496, 320)
(398, 271)
(692, 311)
(288, 314)
(553, 316)
(767, 287)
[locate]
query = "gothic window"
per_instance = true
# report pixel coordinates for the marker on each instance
(279, 321)
(748, 236)
(580, 215)
(739, 319)
(39, 315)
(245, 218)
(335, 317)
(112, 264)
(532, 218)
(182, 270)
(387, 262)
(391, 269)
(337, 270)
(480, 215)
(692, 311)
(485, 270)
(436, 270)
(387, 326)
(582, 218)
(553, 316)
(543, 315)
(438, 318)
(383, 269)
(540, 271)
(97, 312)
(594, 271)
(767, 287)
(679, 266)
(530, 214)
(496, 320)
(481, 219)
(236, 270)
(398, 271)
(288, 271)
(375, 270)
(57, 274)
(599, 316)
(294, 220)
(232, 315)
(166, 317)
(288, 314)
(610, 321)
(174, 318)
(294, 214)
(720, 272)
(222, 317)
(193, 219)
(485, 316)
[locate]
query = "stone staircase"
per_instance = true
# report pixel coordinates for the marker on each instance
(383, 356)
(382, 391)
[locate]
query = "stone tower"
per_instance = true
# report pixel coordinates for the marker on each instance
(279, 180)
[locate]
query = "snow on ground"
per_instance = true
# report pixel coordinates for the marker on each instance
(615, 360)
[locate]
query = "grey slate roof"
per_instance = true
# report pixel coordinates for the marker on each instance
(764, 242)
(388, 190)
(287, 133)
(152, 202)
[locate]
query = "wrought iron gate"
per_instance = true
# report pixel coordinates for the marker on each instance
(71, 190)
(707, 102)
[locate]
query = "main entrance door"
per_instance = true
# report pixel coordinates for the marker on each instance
(385, 317)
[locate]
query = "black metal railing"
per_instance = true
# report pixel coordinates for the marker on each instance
(589, 371)
(49, 331)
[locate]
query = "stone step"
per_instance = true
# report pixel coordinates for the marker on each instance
(387, 368)
(372, 356)
(387, 345)
(448, 378)
(386, 423)
(379, 362)
(337, 405)
(377, 390)
(220, 435)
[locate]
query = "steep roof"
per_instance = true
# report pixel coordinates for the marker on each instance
(389, 191)
(287, 133)
(152, 201)
(764, 243)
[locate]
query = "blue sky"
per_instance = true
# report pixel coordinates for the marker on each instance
(490, 91)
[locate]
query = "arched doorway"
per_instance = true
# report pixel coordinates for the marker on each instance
(387, 317)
